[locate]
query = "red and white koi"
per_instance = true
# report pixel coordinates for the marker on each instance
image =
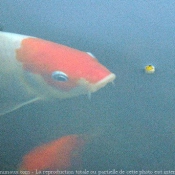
(34, 69)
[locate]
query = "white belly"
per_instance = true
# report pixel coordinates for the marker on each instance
(14, 92)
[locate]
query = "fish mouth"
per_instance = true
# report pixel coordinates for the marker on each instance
(95, 87)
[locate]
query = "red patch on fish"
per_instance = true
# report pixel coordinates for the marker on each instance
(44, 57)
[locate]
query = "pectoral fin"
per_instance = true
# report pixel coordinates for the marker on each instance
(6, 108)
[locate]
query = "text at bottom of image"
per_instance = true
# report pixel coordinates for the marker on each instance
(85, 172)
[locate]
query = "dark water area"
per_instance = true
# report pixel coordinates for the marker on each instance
(131, 122)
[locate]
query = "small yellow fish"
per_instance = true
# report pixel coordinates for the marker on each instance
(149, 69)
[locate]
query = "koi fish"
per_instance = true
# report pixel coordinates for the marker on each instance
(34, 69)
(59, 154)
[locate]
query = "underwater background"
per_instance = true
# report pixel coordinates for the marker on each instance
(134, 119)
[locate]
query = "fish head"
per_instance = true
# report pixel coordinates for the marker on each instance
(60, 70)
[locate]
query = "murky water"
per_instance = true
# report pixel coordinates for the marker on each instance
(134, 119)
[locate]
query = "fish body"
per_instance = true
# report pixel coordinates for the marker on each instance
(34, 69)
(60, 154)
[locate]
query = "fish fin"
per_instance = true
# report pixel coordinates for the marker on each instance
(14, 108)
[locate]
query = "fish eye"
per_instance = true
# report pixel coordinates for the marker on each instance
(59, 76)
